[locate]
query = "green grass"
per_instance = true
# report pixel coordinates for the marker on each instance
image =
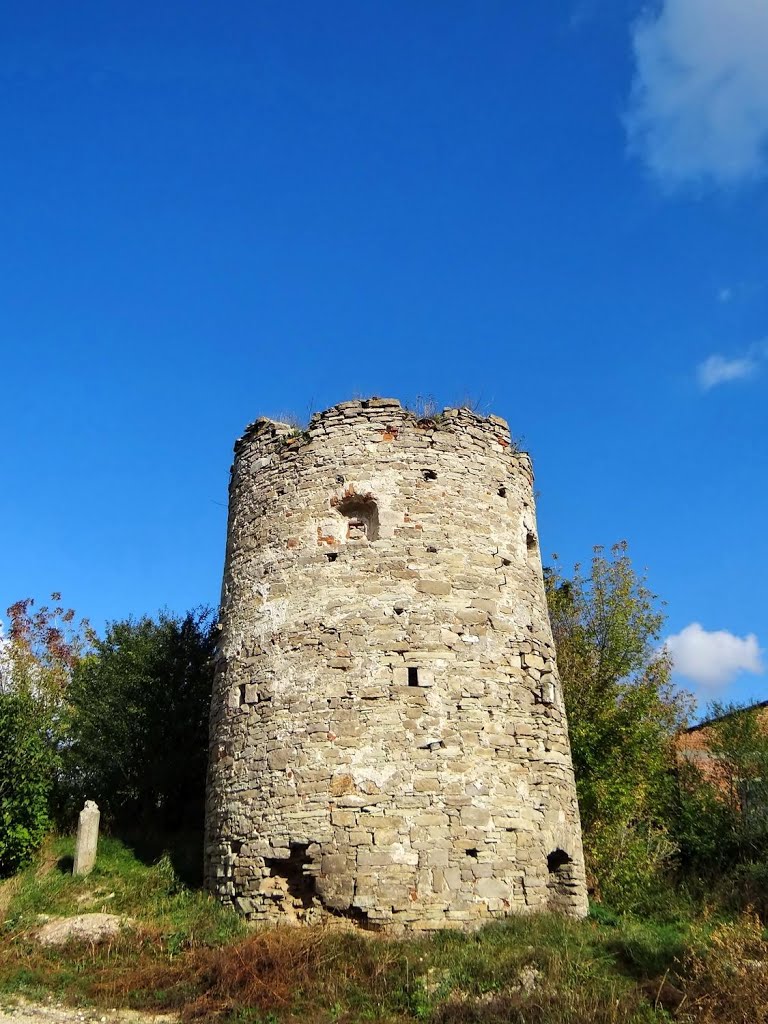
(119, 884)
(188, 954)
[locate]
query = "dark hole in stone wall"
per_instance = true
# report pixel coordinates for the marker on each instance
(532, 548)
(561, 885)
(360, 917)
(332, 556)
(472, 852)
(399, 611)
(292, 886)
(241, 690)
(502, 492)
(557, 860)
(430, 474)
(431, 549)
(236, 846)
(413, 676)
(362, 515)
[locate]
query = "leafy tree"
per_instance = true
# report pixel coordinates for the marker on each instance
(139, 738)
(41, 652)
(26, 762)
(623, 713)
(36, 665)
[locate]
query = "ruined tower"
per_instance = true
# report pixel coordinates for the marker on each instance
(388, 737)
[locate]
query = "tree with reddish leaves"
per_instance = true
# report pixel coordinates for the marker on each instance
(44, 646)
(39, 655)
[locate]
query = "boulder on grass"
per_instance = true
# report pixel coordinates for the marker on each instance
(82, 928)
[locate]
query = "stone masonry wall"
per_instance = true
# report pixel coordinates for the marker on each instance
(388, 737)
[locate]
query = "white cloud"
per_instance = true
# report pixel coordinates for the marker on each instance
(713, 659)
(719, 370)
(699, 104)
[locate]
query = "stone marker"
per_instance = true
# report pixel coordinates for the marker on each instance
(87, 839)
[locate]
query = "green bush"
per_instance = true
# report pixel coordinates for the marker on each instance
(139, 709)
(631, 864)
(26, 773)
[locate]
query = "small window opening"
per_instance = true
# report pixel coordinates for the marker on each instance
(356, 530)
(236, 846)
(502, 492)
(430, 474)
(362, 514)
(399, 611)
(241, 689)
(532, 549)
(332, 556)
(413, 676)
(472, 853)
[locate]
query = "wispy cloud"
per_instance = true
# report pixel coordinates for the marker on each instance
(713, 659)
(719, 370)
(698, 109)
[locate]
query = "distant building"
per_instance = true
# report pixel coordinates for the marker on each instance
(695, 746)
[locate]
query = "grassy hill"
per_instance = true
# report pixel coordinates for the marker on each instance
(187, 954)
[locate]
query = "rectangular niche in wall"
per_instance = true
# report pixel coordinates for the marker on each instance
(362, 515)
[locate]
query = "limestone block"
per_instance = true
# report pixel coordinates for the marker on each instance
(87, 839)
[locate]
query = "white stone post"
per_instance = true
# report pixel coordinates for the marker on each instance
(87, 839)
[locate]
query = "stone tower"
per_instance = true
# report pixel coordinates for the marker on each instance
(388, 737)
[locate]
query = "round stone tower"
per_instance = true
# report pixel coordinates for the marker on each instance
(388, 737)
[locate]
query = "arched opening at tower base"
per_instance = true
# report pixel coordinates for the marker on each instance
(561, 884)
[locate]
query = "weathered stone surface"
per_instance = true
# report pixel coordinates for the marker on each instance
(87, 839)
(388, 737)
(82, 928)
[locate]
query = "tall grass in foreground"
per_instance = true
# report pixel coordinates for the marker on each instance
(187, 954)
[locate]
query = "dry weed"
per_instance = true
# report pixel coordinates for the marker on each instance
(726, 979)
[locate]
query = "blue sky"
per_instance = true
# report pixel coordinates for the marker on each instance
(215, 211)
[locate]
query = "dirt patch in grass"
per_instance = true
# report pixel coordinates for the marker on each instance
(24, 1012)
